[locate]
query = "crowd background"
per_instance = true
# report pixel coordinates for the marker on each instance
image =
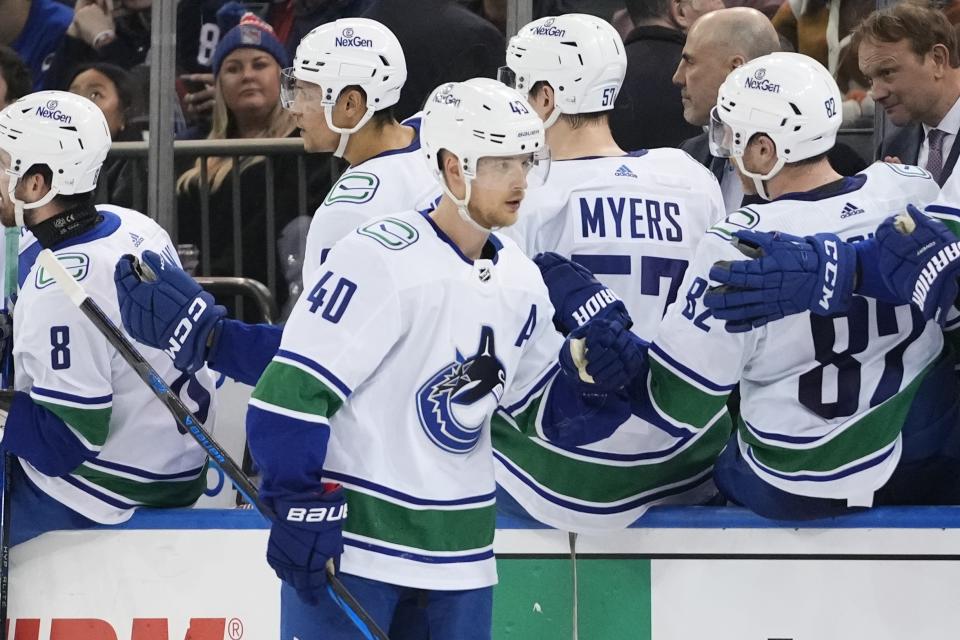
(227, 87)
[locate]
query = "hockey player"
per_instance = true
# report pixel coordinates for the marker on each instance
(92, 441)
(634, 220)
(419, 328)
(346, 77)
(838, 412)
(345, 80)
(905, 262)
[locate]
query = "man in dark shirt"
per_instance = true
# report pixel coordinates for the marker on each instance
(648, 112)
(443, 41)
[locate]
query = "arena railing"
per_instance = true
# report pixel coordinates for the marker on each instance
(185, 152)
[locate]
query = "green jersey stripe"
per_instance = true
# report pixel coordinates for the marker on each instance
(289, 413)
(952, 223)
(873, 432)
(425, 529)
(593, 481)
(292, 388)
(93, 425)
(525, 421)
(681, 401)
(150, 493)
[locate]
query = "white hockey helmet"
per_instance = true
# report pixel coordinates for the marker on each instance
(581, 56)
(789, 97)
(64, 131)
(348, 52)
(476, 119)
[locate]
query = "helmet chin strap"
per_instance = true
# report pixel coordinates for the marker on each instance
(345, 133)
(463, 208)
(20, 207)
(552, 118)
(759, 180)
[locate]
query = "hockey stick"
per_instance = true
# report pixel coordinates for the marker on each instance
(11, 243)
(360, 618)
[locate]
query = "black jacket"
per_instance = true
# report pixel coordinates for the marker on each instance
(648, 112)
(442, 41)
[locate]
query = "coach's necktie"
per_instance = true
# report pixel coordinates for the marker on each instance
(935, 153)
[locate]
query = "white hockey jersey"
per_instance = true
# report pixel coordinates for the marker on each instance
(406, 348)
(67, 366)
(635, 222)
(823, 398)
(397, 180)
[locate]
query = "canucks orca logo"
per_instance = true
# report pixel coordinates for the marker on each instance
(454, 403)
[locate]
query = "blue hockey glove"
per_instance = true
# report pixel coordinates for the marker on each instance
(612, 355)
(576, 295)
(308, 531)
(919, 259)
(786, 275)
(166, 309)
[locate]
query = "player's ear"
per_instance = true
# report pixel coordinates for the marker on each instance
(354, 103)
(451, 166)
(543, 96)
(737, 61)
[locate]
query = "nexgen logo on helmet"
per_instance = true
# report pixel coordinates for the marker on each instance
(760, 82)
(50, 111)
(446, 98)
(547, 29)
(349, 39)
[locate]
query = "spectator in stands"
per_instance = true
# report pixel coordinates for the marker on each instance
(823, 30)
(34, 29)
(910, 54)
(200, 24)
(442, 42)
(110, 88)
(196, 89)
(293, 19)
(14, 77)
(101, 32)
(687, 12)
(716, 45)
(246, 65)
(648, 112)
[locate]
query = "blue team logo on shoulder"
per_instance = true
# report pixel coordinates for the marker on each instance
(454, 403)
(355, 187)
(909, 171)
(392, 233)
(740, 220)
(77, 264)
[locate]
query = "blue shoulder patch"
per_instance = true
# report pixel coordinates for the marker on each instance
(393, 233)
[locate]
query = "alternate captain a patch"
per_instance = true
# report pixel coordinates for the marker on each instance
(454, 403)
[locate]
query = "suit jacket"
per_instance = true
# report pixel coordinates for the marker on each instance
(699, 149)
(904, 143)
